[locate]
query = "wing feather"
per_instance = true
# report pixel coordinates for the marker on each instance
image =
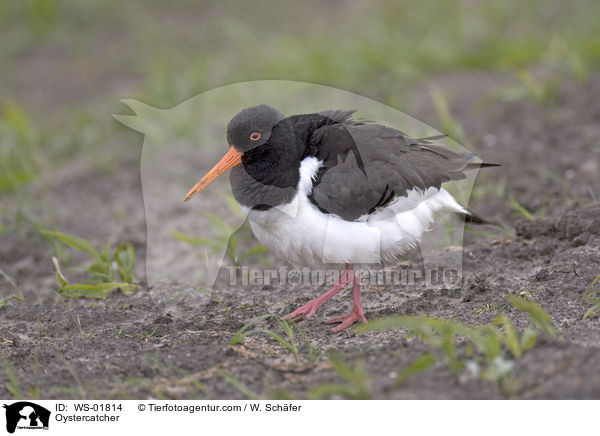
(367, 165)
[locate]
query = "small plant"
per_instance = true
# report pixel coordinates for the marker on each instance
(103, 271)
(542, 90)
(540, 318)
(5, 299)
(419, 365)
(224, 235)
(591, 296)
(12, 386)
(145, 335)
(240, 386)
(490, 349)
(450, 126)
(356, 376)
(266, 393)
(520, 210)
(486, 308)
(24, 216)
(289, 341)
(18, 140)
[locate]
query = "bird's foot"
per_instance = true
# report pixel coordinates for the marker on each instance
(310, 308)
(306, 311)
(347, 320)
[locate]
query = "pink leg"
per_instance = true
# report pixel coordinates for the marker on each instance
(310, 308)
(355, 315)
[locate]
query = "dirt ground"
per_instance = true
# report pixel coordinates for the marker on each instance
(127, 346)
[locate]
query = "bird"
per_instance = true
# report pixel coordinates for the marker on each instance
(326, 188)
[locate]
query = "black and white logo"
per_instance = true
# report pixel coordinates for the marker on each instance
(26, 415)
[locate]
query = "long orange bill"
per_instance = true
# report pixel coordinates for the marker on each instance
(231, 159)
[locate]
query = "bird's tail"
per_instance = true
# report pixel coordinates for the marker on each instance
(473, 218)
(474, 166)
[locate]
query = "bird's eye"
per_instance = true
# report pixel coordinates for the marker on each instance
(255, 136)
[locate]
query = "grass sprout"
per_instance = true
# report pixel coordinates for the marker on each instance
(450, 126)
(357, 387)
(292, 337)
(5, 299)
(419, 365)
(520, 210)
(103, 272)
(18, 141)
(224, 235)
(489, 350)
(591, 295)
(24, 216)
(240, 386)
(13, 386)
(540, 318)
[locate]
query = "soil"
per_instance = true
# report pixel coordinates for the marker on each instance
(128, 346)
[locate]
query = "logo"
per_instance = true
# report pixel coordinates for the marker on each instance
(26, 415)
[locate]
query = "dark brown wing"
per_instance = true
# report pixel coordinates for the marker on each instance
(366, 166)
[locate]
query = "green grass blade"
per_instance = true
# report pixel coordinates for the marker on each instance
(76, 243)
(279, 339)
(125, 258)
(328, 389)
(254, 251)
(591, 311)
(287, 328)
(419, 365)
(589, 293)
(342, 368)
(540, 318)
(219, 227)
(9, 279)
(528, 339)
(13, 382)
(60, 278)
(519, 209)
(241, 387)
(511, 339)
(98, 290)
(241, 333)
(193, 240)
(233, 205)
(4, 300)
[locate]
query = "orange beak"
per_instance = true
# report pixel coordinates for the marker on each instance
(231, 159)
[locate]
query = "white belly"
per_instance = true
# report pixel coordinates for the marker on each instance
(302, 235)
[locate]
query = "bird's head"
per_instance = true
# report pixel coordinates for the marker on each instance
(248, 129)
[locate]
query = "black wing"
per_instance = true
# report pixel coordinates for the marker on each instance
(367, 165)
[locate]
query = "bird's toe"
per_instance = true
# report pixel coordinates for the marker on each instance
(346, 320)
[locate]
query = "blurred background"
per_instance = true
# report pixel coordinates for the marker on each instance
(514, 81)
(495, 76)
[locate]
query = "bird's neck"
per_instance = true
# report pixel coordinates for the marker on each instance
(272, 166)
(277, 163)
(270, 173)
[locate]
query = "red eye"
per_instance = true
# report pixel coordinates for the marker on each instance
(255, 136)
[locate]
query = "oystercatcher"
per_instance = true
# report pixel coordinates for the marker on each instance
(324, 188)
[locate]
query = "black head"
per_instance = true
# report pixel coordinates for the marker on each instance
(252, 127)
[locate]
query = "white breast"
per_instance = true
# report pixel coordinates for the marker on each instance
(301, 234)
